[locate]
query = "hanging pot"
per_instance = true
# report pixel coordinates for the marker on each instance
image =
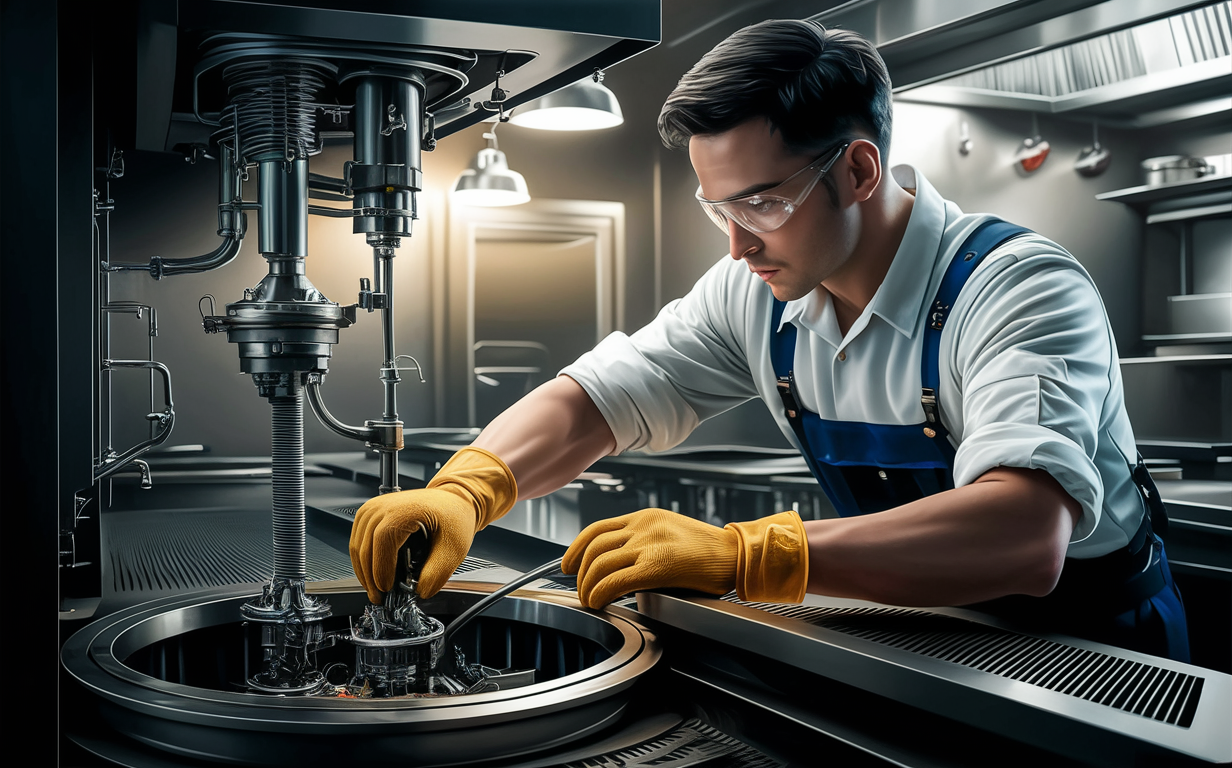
(1033, 151)
(1094, 159)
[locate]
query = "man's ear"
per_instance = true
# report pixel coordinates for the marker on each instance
(863, 168)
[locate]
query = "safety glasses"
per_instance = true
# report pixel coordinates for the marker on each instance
(767, 211)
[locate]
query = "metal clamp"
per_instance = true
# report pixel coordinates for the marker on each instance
(211, 323)
(343, 213)
(393, 121)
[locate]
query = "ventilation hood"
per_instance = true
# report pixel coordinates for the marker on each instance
(1161, 69)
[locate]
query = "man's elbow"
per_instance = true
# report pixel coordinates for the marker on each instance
(1047, 558)
(1048, 515)
(1044, 569)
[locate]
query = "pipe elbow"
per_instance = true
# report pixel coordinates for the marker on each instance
(224, 254)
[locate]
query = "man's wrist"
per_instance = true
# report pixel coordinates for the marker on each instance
(485, 478)
(772, 559)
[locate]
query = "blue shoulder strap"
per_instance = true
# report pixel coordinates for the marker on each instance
(987, 237)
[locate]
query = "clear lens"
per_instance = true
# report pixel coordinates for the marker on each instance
(755, 214)
(762, 212)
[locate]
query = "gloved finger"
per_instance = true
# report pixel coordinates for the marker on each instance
(617, 582)
(366, 519)
(446, 552)
(357, 563)
(600, 568)
(601, 545)
(573, 556)
(386, 540)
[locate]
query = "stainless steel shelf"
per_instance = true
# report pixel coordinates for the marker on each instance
(1151, 194)
(1186, 338)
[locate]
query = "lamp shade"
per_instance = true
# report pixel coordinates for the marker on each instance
(489, 182)
(583, 106)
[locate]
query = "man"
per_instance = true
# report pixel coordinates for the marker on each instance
(948, 372)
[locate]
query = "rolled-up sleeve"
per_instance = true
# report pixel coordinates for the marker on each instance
(1031, 358)
(687, 365)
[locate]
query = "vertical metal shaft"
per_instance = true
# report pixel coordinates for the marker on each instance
(389, 372)
(389, 376)
(288, 482)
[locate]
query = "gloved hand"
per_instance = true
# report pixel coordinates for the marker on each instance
(472, 489)
(764, 560)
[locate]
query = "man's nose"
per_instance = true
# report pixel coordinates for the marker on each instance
(741, 240)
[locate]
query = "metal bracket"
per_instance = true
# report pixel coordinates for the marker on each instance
(393, 121)
(417, 369)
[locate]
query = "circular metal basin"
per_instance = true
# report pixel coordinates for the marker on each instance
(170, 674)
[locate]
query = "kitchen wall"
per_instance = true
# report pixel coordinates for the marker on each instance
(165, 206)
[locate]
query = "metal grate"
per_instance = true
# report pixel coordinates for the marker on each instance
(692, 744)
(475, 564)
(1131, 686)
(189, 549)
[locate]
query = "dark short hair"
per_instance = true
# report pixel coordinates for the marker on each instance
(816, 86)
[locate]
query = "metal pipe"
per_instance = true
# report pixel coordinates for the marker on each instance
(287, 454)
(389, 369)
(313, 387)
(283, 197)
(108, 467)
(232, 224)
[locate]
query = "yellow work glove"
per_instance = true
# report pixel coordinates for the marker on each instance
(472, 489)
(764, 560)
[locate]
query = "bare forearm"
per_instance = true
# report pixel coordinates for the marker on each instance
(1006, 533)
(549, 437)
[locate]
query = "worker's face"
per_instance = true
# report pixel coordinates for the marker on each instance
(814, 243)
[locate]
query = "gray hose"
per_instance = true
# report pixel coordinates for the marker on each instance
(288, 482)
(483, 605)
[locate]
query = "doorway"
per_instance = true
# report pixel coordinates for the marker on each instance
(528, 289)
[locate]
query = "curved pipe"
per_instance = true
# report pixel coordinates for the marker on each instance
(221, 256)
(312, 385)
(166, 419)
(232, 224)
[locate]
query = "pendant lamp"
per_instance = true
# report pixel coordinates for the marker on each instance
(586, 105)
(489, 182)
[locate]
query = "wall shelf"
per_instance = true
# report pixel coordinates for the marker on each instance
(1151, 194)
(1187, 338)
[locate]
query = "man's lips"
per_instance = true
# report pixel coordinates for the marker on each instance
(764, 274)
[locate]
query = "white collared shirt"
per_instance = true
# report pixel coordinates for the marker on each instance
(1028, 364)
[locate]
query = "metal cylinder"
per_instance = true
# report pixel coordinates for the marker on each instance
(382, 105)
(283, 195)
(230, 188)
(290, 542)
(387, 171)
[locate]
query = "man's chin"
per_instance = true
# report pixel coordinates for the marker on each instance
(787, 292)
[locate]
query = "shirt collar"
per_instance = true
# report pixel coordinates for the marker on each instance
(900, 297)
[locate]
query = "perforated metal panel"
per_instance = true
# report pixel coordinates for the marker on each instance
(692, 744)
(1142, 689)
(191, 549)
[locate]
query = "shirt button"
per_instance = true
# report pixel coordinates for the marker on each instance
(842, 356)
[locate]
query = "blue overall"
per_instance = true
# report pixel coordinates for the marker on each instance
(1126, 598)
